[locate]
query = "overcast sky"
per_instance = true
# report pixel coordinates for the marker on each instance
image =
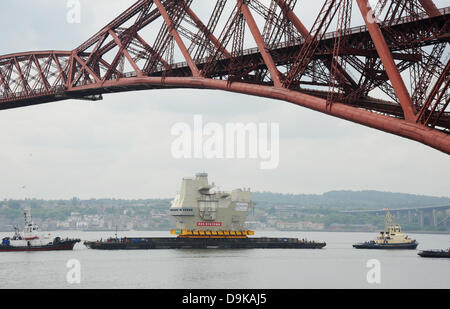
(121, 147)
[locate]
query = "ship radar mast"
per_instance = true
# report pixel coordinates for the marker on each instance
(391, 228)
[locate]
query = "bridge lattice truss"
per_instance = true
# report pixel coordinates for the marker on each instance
(391, 74)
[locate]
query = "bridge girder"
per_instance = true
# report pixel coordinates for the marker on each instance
(333, 72)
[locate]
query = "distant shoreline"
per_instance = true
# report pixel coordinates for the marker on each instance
(356, 231)
(269, 230)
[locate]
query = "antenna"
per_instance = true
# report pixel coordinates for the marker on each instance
(388, 221)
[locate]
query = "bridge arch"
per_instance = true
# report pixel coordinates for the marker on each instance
(276, 69)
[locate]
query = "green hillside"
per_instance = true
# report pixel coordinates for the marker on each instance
(350, 200)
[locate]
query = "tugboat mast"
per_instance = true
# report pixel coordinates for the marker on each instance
(30, 229)
(388, 221)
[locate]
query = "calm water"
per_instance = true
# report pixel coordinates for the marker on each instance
(337, 266)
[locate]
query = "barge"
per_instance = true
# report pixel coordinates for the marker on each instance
(435, 253)
(202, 243)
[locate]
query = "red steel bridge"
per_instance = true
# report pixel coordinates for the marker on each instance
(391, 73)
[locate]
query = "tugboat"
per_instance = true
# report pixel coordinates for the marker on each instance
(207, 219)
(391, 238)
(31, 240)
(435, 253)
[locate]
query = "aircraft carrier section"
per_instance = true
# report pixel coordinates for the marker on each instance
(207, 219)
